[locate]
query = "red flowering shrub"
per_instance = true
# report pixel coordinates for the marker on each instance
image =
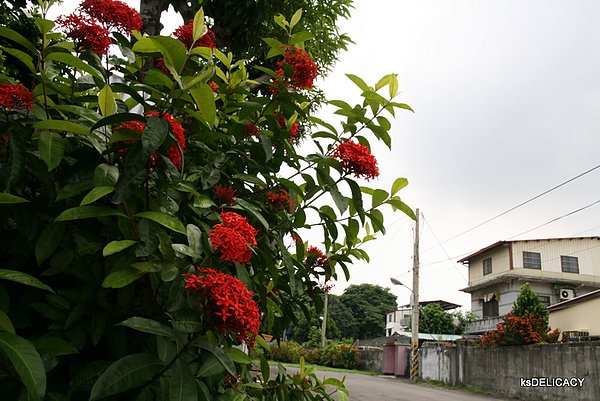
(233, 238)
(304, 68)
(15, 97)
(225, 194)
(356, 159)
(185, 33)
(316, 258)
(230, 300)
(279, 200)
(251, 129)
(519, 330)
(86, 33)
(178, 132)
(113, 14)
(294, 132)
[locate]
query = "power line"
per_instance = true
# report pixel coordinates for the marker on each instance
(444, 249)
(518, 206)
(557, 218)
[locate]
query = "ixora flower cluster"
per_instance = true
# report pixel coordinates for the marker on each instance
(90, 26)
(15, 97)
(233, 238)
(174, 154)
(356, 159)
(185, 33)
(520, 330)
(230, 300)
(316, 258)
(304, 69)
(279, 199)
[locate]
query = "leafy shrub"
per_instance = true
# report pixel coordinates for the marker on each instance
(287, 352)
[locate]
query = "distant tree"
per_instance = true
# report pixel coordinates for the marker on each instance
(462, 320)
(435, 320)
(343, 318)
(369, 305)
(240, 25)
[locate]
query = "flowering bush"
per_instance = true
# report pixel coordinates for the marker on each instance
(520, 330)
(146, 231)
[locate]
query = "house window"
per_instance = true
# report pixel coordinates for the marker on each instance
(532, 260)
(389, 318)
(569, 264)
(487, 266)
(545, 300)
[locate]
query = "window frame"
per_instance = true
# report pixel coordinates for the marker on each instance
(527, 260)
(566, 262)
(489, 265)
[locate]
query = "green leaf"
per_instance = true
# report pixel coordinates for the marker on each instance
(44, 25)
(173, 51)
(393, 85)
(48, 241)
(62, 125)
(253, 210)
(18, 38)
(27, 364)
(117, 246)
(23, 278)
(9, 199)
(164, 220)
(398, 185)
(149, 326)
(182, 384)
(54, 346)
(70, 60)
(397, 204)
(127, 373)
(359, 82)
(250, 178)
(300, 37)
(295, 18)
(95, 194)
(22, 56)
(106, 175)
(187, 321)
(210, 366)
(379, 196)
(106, 101)
(198, 27)
(122, 278)
(265, 368)
(339, 199)
(51, 147)
(223, 358)
(87, 212)
(237, 355)
(205, 101)
(5, 323)
(117, 119)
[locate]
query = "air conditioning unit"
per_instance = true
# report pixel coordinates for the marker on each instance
(566, 293)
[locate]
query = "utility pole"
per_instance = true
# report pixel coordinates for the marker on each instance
(324, 323)
(414, 357)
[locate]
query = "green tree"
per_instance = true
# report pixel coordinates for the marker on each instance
(369, 305)
(529, 303)
(435, 320)
(463, 319)
(343, 318)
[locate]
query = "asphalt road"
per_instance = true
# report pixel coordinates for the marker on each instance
(383, 388)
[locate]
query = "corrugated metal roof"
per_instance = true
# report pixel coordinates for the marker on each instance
(430, 337)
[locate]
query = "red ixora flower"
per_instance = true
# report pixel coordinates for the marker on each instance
(86, 33)
(185, 33)
(229, 300)
(304, 68)
(225, 194)
(356, 159)
(233, 238)
(178, 132)
(316, 258)
(114, 14)
(279, 200)
(15, 97)
(294, 132)
(251, 129)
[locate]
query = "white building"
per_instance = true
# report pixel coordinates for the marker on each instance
(398, 321)
(557, 269)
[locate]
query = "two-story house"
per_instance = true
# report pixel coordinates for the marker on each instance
(398, 321)
(557, 269)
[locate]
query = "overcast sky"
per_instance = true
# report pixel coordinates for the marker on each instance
(506, 97)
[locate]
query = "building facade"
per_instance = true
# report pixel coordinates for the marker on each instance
(557, 269)
(398, 321)
(576, 315)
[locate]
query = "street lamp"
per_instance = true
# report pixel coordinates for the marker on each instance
(414, 372)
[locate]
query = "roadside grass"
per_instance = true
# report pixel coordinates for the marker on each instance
(458, 387)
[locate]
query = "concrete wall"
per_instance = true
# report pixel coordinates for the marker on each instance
(500, 369)
(370, 359)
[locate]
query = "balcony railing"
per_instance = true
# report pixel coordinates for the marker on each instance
(483, 325)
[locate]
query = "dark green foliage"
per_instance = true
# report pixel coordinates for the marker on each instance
(434, 320)
(369, 305)
(335, 355)
(528, 303)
